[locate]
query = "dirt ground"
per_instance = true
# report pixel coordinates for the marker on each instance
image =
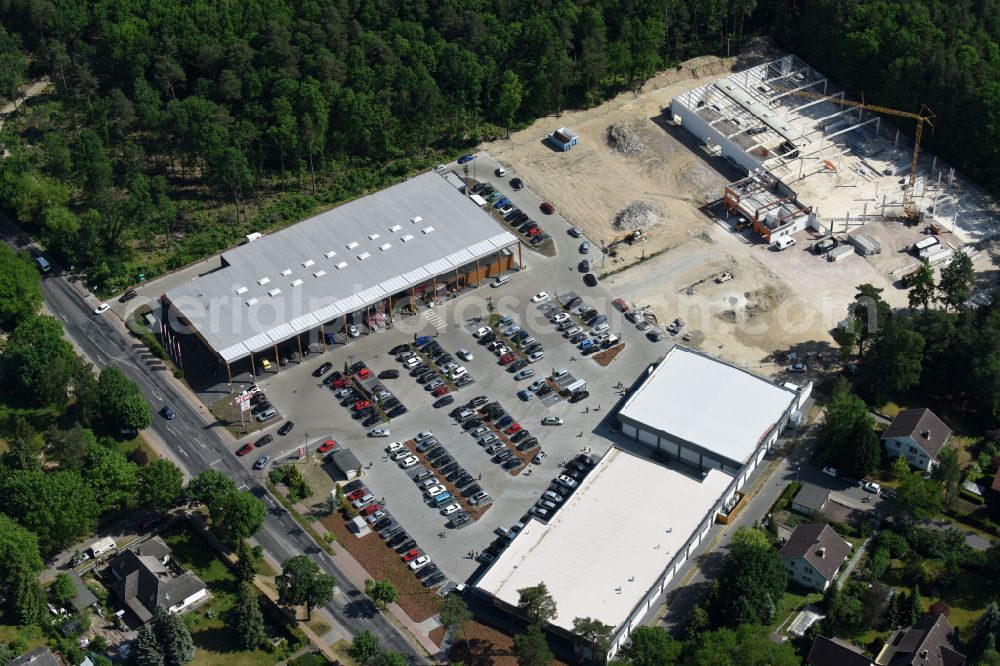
(777, 301)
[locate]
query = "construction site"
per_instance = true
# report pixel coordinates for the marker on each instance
(687, 184)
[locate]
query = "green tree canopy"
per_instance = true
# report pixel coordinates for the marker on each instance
(165, 640)
(37, 362)
(531, 648)
(957, 277)
(894, 361)
(58, 507)
(62, 589)
(382, 592)
(749, 587)
(20, 288)
(236, 515)
(114, 479)
(537, 604)
(161, 482)
(917, 497)
(120, 402)
(248, 618)
(847, 438)
(745, 645)
(650, 646)
(210, 485)
(365, 646)
(302, 582)
(20, 564)
(455, 616)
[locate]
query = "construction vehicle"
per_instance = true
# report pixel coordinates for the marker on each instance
(629, 238)
(925, 115)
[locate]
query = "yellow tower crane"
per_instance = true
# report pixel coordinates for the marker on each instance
(925, 115)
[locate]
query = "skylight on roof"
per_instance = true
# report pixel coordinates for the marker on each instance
(363, 256)
(372, 236)
(240, 290)
(287, 271)
(352, 245)
(385, 246)
(263, 281)
(274, 292)
(307, 263)
(251, 301)
(395, 227)
(416, 220)
(342, 264)
(407, 238)
(329, 254)
(319, 273)
(427, 230)
(296, 282)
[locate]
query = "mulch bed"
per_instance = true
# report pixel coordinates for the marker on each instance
(524, 456)
(437, 635)
(475, 512)
(605, 357)
(486, 647)
(381, 561)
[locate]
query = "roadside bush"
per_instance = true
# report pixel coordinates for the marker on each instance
(893, 542)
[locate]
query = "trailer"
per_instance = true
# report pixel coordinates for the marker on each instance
(941, 255)
(840, 253)
(924, 244)
(563, 138)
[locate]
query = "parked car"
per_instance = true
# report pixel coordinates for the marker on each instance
(575, 232)
(830, 471)
(547, 208)
(245, 449)
(552, 420)
(590, 280)
(524, 374)
(873, 487)
(323, 369)
(389, 374)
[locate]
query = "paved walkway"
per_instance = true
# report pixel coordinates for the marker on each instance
(846, 572)
(358, 575)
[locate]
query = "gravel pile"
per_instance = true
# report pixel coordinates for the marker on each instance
(622, 139)
(636, 215)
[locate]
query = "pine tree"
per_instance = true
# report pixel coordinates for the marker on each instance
(890, 619)
(249, 622)
(246, 567)
(147, 647)
(914, 610)
(172, 637)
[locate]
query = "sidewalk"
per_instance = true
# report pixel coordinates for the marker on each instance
(357, 575)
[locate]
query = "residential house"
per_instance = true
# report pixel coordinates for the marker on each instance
(918, 435)
(145, 579)
(835, 652)
(810, 499)
(929, 642)
(41, 656)
(83, 598)
(813, 554)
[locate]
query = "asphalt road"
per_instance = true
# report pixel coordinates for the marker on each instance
(198, 448)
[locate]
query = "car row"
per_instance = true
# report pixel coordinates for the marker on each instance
(474, 418)
(393, 534)
(515, 217)
(562, 487)
(366, 398)
(434, 489)
(434, 367)
(599, 336)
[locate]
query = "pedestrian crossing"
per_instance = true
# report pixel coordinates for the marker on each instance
(434, 319)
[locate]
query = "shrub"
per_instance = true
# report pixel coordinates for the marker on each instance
(940, 608)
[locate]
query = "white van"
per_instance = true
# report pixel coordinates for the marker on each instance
(784, 242)
(500, 279)
(102, 546)
(43, 264)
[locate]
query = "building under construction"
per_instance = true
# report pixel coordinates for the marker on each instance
(809, 155)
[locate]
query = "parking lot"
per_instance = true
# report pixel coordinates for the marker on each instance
(316, 413)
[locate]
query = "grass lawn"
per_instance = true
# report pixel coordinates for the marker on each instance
(215, 643)
(968, 597)
(792, 601)
(33, 635)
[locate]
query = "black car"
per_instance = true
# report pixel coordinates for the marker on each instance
(398, 538)
(261, 407)
(353, 485)
(573, 302)
(449, 468)
(516, 183)
(419, 369)
(535, 240)
(389, 531)
(590, 280)
(519, 435)
(257, 399)
(426, 377)
(357, 367)
(654, 335)
(588, 313)
(390, 403)
(578, 338)
(519, 364)
(591, 350)
(442, 462)
(436, 452)
(512, 214)
(544, 390)
(463, 480)
(409, 544)
(266, 439)
(512, 463)
(464, 380)
(388, 374)
(460, 520)
(128, 295)
(286, 428)
(426, 571)
(444, 358)
(444, 401)
(579, 395)
(471, 490)
(472, 423)
(323, 369)
(455, 474)
(434, 580)
(364, 413)
(371, 420)
(527, 444)
(398, 349)
(488, 338)
(383, 523)
(396, 411)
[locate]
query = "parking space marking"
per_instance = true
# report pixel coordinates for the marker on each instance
(551, 399)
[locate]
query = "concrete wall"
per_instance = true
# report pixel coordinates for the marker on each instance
(708, 135)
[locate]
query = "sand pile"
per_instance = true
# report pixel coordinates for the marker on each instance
(623, 139)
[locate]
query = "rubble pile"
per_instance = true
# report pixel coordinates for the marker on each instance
(636, 215)
(622, 139)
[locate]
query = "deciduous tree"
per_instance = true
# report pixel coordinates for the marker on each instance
(62, 589)
(20, 564)
(531, 648)
(20, 289)
(160, 484)
(302, 582)
(236, 515)
(955, 287)
(455, 616)
(536, 604)
(847, 437)
(918, 498)
(364, 647)
(922, 287)
(651, 646)
(37, 362)
(120, 402)
(382, 592)
(596, 635)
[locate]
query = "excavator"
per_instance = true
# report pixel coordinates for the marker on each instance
(629, 238)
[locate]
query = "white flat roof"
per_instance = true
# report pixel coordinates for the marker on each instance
(699, 399)
(612, 533)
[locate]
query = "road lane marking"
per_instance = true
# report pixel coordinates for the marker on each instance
(215, 462)
(181, 449)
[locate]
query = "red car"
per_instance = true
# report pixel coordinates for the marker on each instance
(534, 231)
(360, 492)
(439, 391)
(338, 384)
(411, 555)
(512, 428)
(245, 449)
(507, 358)
(620, 304)
(370, 509)
(327, 446)
(547, 208)
(361, 404)
(364, 373)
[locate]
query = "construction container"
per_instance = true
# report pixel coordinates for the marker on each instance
(867, 246)
(941, 254)
(839, 253)
(926, 244)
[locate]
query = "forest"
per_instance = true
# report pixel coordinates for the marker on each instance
(171, 129)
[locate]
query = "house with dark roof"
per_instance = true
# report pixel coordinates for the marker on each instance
(83, 598)
(813, 554)
(917, 435)
(835, 652)
(810, 499)
(145, 578)
(41, 656)
(929, 642)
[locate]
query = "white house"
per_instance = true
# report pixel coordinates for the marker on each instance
(813, 554)
(918, 435)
